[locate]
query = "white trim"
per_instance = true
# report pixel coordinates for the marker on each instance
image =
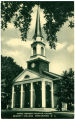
(29, 71)
(33, 80)
(28, 81)
(38, 57)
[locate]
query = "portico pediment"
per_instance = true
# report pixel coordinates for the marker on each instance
(26, 75)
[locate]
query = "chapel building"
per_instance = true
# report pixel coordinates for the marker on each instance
(35, 87)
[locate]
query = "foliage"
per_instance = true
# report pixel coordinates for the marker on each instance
(65, 90)
(56, 14)
(9, 70)
(21, 11)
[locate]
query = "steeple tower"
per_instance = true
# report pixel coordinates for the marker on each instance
(38, 61)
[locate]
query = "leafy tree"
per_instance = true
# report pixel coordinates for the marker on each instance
(9, 70)
(56, 14)
(65, 90)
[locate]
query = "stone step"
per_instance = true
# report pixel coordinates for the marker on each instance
(35, 109)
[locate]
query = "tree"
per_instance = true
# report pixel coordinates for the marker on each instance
(65, 91)
(56, 14)
(9, 70)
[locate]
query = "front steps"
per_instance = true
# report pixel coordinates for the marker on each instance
(35, 109)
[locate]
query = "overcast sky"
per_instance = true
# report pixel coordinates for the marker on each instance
(60, 59)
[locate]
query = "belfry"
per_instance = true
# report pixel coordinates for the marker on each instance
(35, 87)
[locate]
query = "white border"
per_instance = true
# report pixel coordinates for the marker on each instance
(0, 50)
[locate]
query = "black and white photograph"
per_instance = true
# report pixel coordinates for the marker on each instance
(37, 59)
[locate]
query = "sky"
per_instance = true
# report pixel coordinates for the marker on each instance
(60, 59)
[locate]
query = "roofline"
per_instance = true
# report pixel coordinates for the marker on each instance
(40, 75)
(26, 70)
(38, 59)
(37, 55)
(36, 42)
(52, 74)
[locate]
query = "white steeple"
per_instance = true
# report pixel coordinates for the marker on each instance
(38, 46)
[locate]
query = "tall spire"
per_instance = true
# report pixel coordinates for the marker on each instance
(38, 32)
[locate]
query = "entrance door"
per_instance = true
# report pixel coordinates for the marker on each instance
(17, 95)
(38, 97)
(26, 101)
(48, 96)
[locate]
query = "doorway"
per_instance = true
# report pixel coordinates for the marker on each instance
(48, 96)
(38, 97)
(26, 95)
(17, 94)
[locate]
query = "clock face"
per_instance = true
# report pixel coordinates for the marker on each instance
(33, 65)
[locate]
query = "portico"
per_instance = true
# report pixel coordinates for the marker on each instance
(32, 94)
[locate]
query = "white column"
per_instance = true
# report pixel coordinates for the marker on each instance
(31, 95)
(12, 104)
(43, 94)
(21, 102)
(52, 94)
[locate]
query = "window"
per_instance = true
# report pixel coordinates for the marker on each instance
(34, 50)
(42, 51)
(27, 76)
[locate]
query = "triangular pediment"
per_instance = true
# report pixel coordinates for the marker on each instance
(26, 75)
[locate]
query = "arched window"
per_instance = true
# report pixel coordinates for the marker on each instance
(42, 51)
(27, 76)
(34, 50)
